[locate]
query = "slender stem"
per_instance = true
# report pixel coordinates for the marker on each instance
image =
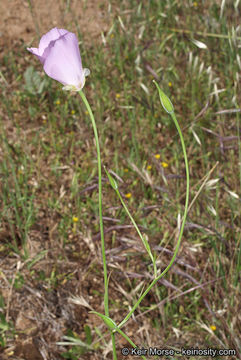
(113, 346)
(106, 298)
(129, 341)
(180, 234)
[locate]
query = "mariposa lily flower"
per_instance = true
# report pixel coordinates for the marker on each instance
(59, 53)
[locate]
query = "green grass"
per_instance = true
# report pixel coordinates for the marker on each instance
(48, 173)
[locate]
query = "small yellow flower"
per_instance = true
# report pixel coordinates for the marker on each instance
(112, 35)
(57, 102)
(157, 156)
(10, 353)
(117, 96)
(164, 164)
(86, 112)
(75, 219)
(126, 170)
(213, 327)
(149, 167)
(72, 112)
(195, 4)
(128, 195)
(170, 84)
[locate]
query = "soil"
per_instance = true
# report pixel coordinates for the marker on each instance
(25, 21)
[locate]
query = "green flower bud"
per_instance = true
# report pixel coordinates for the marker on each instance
(108, 321)
(165, 101)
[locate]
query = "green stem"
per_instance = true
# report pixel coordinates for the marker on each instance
(129, 340)
(106, 298)
(181, 230)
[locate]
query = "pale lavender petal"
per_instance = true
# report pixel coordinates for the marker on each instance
(35, 51)
(63, 62)
(52, 35)
(45, 43)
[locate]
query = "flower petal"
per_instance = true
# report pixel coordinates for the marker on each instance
(52, 35)
(63, 62)
(35, 51)
(45, 43)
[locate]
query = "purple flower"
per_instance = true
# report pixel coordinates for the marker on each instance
(59, 53)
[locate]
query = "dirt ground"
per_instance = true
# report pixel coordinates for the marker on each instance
(23, 21)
